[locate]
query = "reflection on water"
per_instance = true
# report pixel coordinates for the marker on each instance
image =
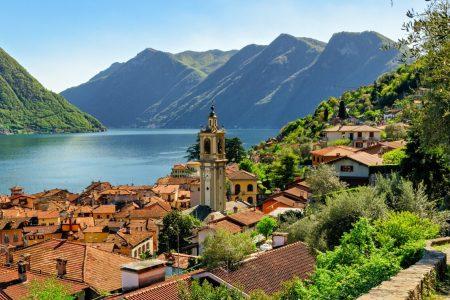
(72, 161)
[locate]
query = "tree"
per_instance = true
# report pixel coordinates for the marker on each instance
(193, 151)
(428, 166)
(266, 226)
(205, 290)
(428, 40)
(234, 150)
(225, 248)
(176, 228)
(48, 289)
(324, 226)
(396, 132)
(342, 113)
(324, 180)
(325, 114)
(394, 157)
(284, 170)
(400, 195)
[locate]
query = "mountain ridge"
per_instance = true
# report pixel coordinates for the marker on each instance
(259, 86)
(27, 107)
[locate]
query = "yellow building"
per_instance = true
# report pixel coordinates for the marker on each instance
(48, 218)
(243, 185)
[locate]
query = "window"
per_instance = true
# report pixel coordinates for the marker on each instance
(346, 168)
(250, 200)
(207, 146)
(250, 188)
(360, 134)
(6, 239)
(351, 136)
(30, 237)
(15, 238)
(40, 237)
(371, 134)
(237, 189)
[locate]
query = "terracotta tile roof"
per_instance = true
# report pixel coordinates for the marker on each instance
(108, 247)
(180, 167)
(18, 290)
(334, 151)
(97, 268)
(48, 214)
(94, 229)
(13, 223)
(352, 128)
(4, 199)
(287, 201)
(160, 202)
(114, 192)
(169, 180)
(41, 229)
(225, 225)
(268, 270)
(247, 218)
(241, 175)
(165, 189)
(85, 221)
(154, 213)
(85, 209)
(167, 290)
(363, 158)
(295, 191)
(135, 238)
(394, 144)
(105, 209)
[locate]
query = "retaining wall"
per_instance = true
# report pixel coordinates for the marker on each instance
(415, 281)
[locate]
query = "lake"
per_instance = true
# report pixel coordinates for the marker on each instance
(72, 161)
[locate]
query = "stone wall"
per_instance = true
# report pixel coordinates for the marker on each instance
(413, 282)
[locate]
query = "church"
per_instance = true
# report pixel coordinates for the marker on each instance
(212, 164)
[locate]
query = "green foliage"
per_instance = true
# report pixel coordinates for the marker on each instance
(323, 228)
(227, 249)
(430, 166)
(340, 142)
(176, 228)
(401, 195)
(206, 291)
(394, 157)
(284, 170)
(396, 132)
(342, 113)
(48, 289)
(366, 255)
(145, 255)
(266, 226)
(428, 40)
(324, 180)
(234, 150)
(27, 107)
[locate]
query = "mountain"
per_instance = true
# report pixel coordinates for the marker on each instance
(255, 87)
(27, 107)
(121, 93)
(207, 61)
(285, 80)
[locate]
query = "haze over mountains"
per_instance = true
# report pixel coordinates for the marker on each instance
(255, 87)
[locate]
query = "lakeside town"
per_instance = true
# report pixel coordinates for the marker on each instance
(107, 239)
(350, 200)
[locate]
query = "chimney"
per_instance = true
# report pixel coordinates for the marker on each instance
(142, 273)
(61, 264)
(279, 239)
(9, 256)
(22, 270)
(26, 258)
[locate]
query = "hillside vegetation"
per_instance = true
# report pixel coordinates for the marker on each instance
(27, 107)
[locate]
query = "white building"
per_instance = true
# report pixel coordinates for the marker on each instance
(361, 136)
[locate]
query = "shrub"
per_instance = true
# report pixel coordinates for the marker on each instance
(394, 157)
(266, 226)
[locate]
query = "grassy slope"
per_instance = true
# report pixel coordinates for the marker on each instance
(26, 106)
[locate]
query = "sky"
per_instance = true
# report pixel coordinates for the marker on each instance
(64, 43)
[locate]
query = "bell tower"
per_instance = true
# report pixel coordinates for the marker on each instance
(212, 164)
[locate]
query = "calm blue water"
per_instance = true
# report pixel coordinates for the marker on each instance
(72, 161)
